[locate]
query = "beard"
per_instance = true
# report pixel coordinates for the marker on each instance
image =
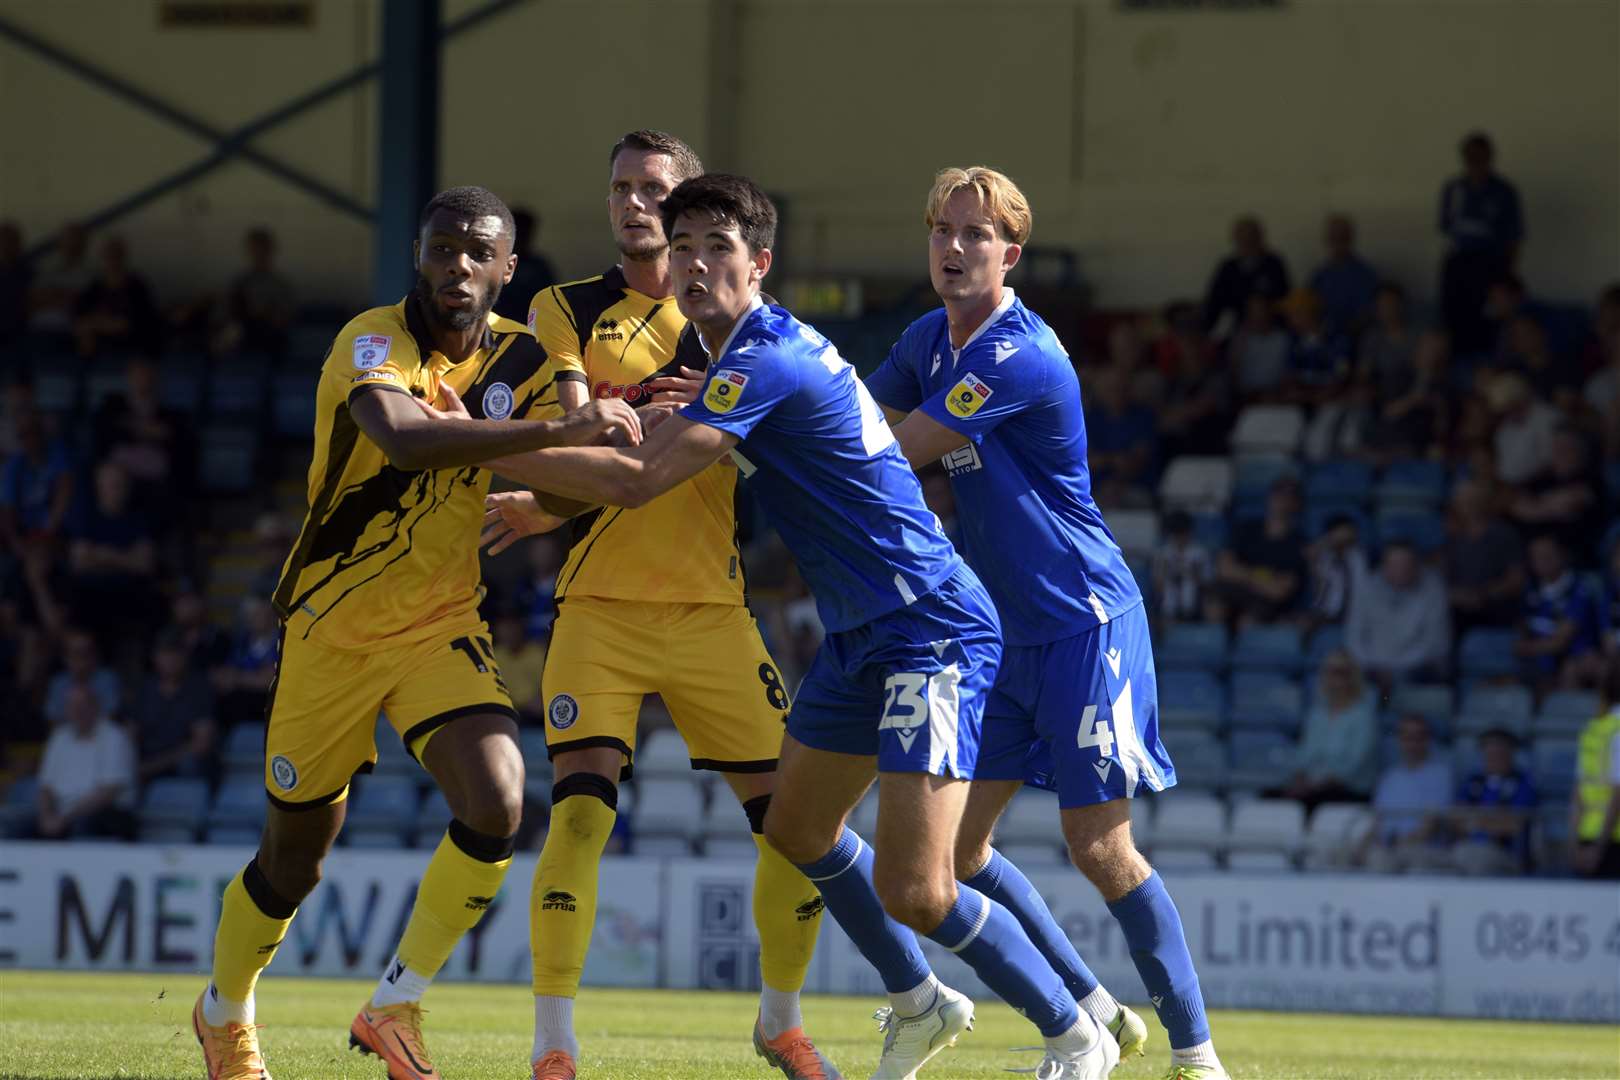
(455, 318)
(647, 249)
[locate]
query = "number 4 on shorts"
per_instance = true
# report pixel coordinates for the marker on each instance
(1094, 731)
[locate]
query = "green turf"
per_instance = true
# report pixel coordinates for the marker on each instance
(89, 1027)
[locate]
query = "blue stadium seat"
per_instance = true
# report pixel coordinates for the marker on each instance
(1256, 475)
(1325, 640)
(240, 803)
(293, 402)
(431, 820)
(1268, 648)
(1486, 652)
(180, 382)
(1553, 768)
(1192, 645)
(1257, 760)
(243, 751)
(1211, 531)
(1200, 759)
(17, 812)
(383, 803)
(1318, 514)
(1190, 700)
(175, 802)
(1425, 531)
(237, 386)
(235, 835)
(1486, 707)
(1567, 712)
(1343, 481)
(1266, 700)
(1432, 701)
(1412, 485)
(227, 460)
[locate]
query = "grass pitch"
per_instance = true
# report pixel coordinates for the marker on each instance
(91, 1027)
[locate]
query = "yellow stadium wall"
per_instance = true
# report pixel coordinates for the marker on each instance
(1138, 136)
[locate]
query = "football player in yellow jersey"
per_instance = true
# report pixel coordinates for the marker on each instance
(650, 600)
(379, 603)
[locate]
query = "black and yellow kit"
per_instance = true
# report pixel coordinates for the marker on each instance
(379, 598)
(651, 599)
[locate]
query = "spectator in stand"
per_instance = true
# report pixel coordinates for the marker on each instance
(1399, 625)
(1337, 756)
(1260, 577)
(16, 280)
(1195, 409)
(117, 310)
(1554, 378)
(206, 646)
(81, 666)
(172, 715)
(1482, 222)
(1595, 349)
(1484, 560)
(1385, 359)
(536, 592)
(1563, 498)
(1410, 804)
(273, 536)
(1337, 563)
(1493, 811)
(87, 776)
(243, 682)
(112, 558)
(1524, 428)
(1413, 422)
(1594, 811)
(36, 488)
(60, 280)
(1182, 570)
(523, 661)
(1346, 282)
(1251, 270)
(1559, 635)
(534, 271)
(1318, 357)
(151, 442)
(1611, 597)
(1601, 395)
(1122, 444)
(259, 307)
(1259, 352)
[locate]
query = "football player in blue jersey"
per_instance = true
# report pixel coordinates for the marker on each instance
(899, 686)
(983, 386)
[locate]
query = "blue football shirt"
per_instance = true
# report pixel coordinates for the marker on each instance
(1030, 528)
(821, 460)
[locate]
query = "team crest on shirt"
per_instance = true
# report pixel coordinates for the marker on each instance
(724, 390)
(497, 401)
(968, 395)
(283, 772)
(534, 317)
(564, 710)
(371, 350)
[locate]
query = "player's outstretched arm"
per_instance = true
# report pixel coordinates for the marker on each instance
(923, 439)
(621, 476)
(415, 437)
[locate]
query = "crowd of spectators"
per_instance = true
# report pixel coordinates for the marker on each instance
(1442, 471)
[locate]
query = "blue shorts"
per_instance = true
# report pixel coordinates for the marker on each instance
(909, 686)
(1079, 716)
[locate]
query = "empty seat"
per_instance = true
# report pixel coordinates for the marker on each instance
(1254, 477)
(1334, 831)
(1567, 712)
(863, 819)
(293, 398)
(382, 803)
(228, 459)
(1432, 701)
(1136, 531)
(1264, 699)
(1553, 768)
(237, 386)
(1423, 530)
(1200, 759)
(1191, 700)
(663, 755)
(1412, 484)
(724, 820)
(1142, 815)
(243, 750)
(1260, 862)
(1273, 430)
(1258, 759)
(1486, 652)
(1192, 645)
(56, 391)
(1197, 484)
(1185, 860)
(1486, 707)
(432, 819)
(1325, 640)
(241, 802)
(1275, 648)
(1049, 852)
(1268, 825)
(180, 383)
(1344, 481)
(1031, 816)
(234, 835)
(668, 847)
(392, 757)
(1189, 820)
(17, 812)
(667, 807)
(175, 802)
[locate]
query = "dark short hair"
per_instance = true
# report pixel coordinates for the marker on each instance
(734, 200)
(1392, 288)
(469, 202)
(687, 163)
(1337, 519)
(1496, 731)
(1479, 139)
(1178, 522)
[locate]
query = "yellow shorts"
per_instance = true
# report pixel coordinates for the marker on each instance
(705, 660)
(324, 705)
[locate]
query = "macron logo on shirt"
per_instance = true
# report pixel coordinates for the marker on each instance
(1003, 349)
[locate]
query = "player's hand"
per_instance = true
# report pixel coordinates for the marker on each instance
(609, 421)
(655, 414)
(449, 405)
(682, 389)
(509, 516)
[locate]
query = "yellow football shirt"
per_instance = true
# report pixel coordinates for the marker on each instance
(389, 557)
(682, 546)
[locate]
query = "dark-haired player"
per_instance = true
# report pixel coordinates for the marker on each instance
(379, 608)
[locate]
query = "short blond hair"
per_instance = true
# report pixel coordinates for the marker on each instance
(1007, 206)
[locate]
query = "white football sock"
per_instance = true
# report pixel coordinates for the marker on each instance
(399, 984)
(1201, 1054)
(1100, 1006)
(916, 1001)
(778, 1011)
(553, 1026)
(218, 1011)
(1078, 1040)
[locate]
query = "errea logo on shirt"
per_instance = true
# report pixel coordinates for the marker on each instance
(724, 390)
(371, 350)
(968, 395)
